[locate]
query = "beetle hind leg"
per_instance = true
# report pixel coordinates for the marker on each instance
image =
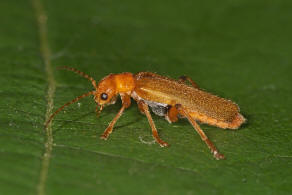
(145, 109)
(203, 136)
(183, 79)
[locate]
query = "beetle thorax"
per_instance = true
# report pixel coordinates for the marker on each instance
(125, 82)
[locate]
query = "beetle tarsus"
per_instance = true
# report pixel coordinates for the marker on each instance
(218, 156)
(104, 136)
(161, 142)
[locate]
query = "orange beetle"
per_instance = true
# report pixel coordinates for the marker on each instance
(166, 97)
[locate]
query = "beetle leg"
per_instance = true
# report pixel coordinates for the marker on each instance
(171, 115)
(203, 136)
(140, 107)
(145, 109)
(126, 102)
(186, 78)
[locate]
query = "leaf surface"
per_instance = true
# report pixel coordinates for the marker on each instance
(239, 50)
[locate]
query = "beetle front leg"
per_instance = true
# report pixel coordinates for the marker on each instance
(126, 102)
(145, 109)
(203, 136)
(186, 78)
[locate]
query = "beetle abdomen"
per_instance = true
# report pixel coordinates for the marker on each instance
(157, 108)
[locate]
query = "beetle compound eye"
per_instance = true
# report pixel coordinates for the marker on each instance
(103, 96)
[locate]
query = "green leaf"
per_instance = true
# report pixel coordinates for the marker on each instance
(240, 50)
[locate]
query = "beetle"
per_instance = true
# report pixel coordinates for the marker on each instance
(166, 97)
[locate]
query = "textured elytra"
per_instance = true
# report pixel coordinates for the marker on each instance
(161, 89)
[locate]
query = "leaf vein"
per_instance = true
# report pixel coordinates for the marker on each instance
(46, 56)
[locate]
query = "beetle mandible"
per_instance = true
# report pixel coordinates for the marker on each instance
(166, 97)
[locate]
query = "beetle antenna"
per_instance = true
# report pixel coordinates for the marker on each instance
(67, 104)
(81, 74)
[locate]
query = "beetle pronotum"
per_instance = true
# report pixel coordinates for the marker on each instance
(166, 97)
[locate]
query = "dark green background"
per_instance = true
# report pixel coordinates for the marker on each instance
(238, 49)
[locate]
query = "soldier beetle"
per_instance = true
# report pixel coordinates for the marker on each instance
(166, 97)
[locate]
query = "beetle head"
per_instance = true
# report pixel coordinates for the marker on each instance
(105, 92)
